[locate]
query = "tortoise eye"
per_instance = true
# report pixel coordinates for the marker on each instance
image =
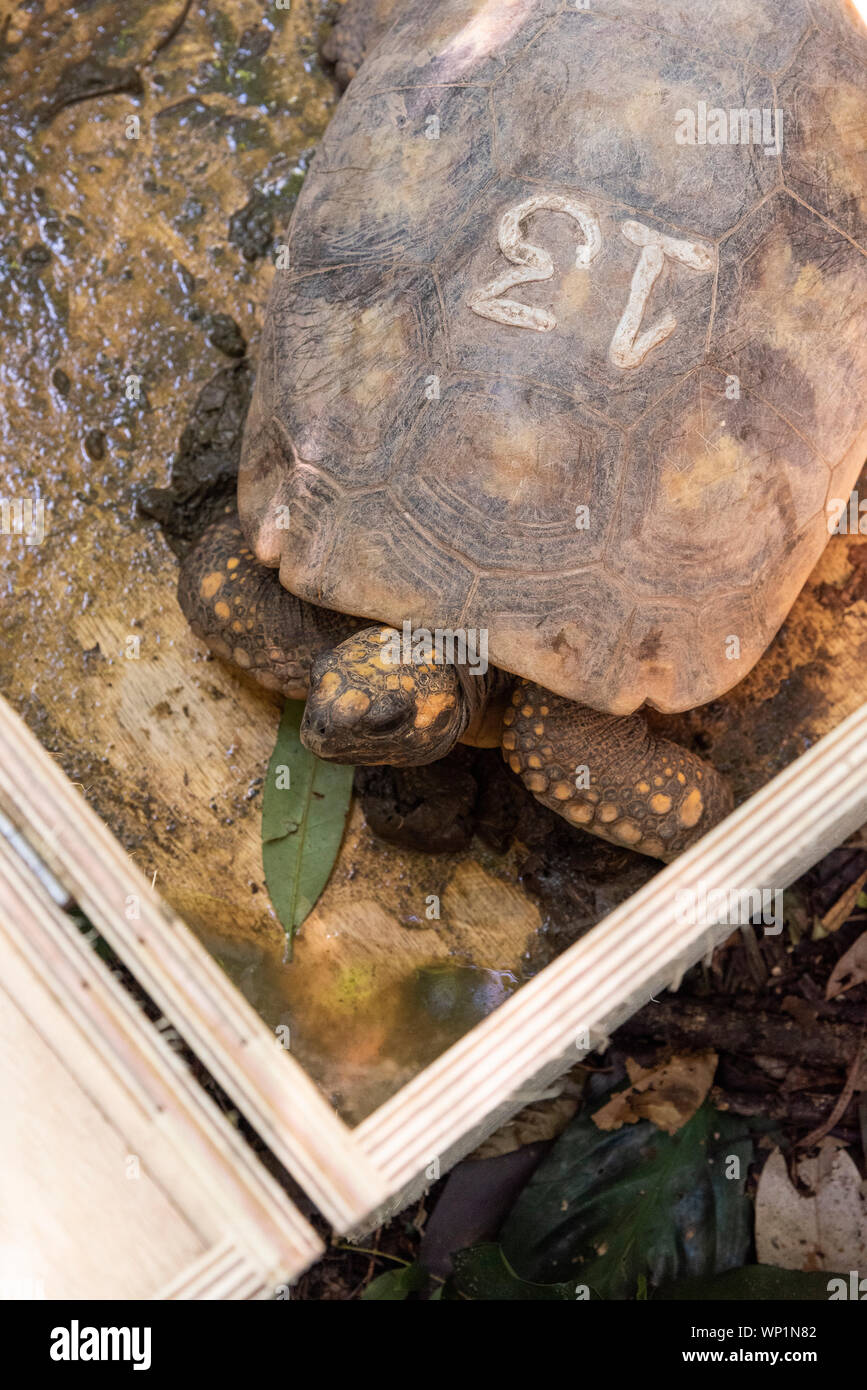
(387, 714)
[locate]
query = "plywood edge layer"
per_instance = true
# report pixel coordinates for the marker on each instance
(222, 1274)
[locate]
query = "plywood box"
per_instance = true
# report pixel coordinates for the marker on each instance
(206, 1220)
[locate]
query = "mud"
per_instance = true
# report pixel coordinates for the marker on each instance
(205, 469)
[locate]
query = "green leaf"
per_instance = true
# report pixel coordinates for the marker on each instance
(302, 823)
(606, 1208)
(483, 1273)
(396, 1284)
(754, 1282)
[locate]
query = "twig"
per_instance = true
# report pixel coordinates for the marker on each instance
(365, 1250)
(843, 908)
(843, 1100)
(744, 1032)
(170, 34)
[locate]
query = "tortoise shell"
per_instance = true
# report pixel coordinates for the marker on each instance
(569, 338)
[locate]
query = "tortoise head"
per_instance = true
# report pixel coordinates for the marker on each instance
(369, 702)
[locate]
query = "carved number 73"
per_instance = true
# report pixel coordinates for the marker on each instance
(629, 346)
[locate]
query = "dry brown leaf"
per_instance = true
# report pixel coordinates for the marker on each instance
(543, 1119)
(668, 1094)
(850, 970)
(827, 1230)
(839, 914)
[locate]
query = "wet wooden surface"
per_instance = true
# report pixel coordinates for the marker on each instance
(121, 246)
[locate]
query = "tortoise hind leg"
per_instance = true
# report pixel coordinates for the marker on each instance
(241, 610)
(609, 775)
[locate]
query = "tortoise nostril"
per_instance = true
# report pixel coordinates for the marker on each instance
(317, 723)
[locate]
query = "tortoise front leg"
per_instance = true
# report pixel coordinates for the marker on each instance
(241, 610)
(610, 775)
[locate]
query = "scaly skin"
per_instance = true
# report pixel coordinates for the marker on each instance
(364, 708)
(644, 792)
(360, 707)
(246, 617)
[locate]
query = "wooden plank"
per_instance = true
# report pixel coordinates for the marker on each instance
(72, 1225)
(275, 1094)
(124, 1171)
(606, 976)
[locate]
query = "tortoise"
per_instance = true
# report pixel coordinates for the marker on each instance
(561, 387)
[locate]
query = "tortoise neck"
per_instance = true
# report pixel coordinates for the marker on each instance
(481, 694)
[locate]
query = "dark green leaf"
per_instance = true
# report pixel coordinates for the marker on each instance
(396, 1284)
(484, 1273)
(302, 824)
(752, 1282)
(606, 1209)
